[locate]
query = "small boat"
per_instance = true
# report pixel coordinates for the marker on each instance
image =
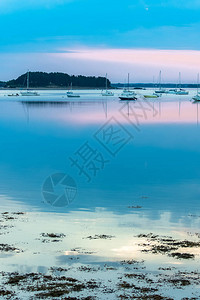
(160, 91)
(106, 92)
(13, 95)
(171, 91)
(71, 94)
(197, 96)
(28, 92)
(152, 96)
(181, 91)
(127, 94)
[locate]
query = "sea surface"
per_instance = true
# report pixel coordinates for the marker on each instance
(102, 172)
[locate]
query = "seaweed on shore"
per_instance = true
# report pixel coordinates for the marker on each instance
(52, 237)
(167, 245)
(179, 255)
(6, 294)
(8, 248)
(100, 236)
(131, 262)
(48, 285)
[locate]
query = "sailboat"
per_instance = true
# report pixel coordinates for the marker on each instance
(127, 94)
(28, 92)
(197, 97)
(181, 91)
(106, 92)
(71, 94)
(160, 91)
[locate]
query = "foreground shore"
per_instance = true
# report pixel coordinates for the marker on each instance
(39, 264)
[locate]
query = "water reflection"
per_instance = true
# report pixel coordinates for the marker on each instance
(151, 185)
(91, 112)
(161, 163)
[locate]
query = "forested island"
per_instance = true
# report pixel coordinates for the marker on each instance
(64, 80)
(56, 80)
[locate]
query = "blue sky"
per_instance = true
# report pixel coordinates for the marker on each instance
(31, 27)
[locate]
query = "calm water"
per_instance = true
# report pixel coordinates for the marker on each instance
(148, 156)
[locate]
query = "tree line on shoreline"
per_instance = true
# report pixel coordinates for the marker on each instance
(56, 80)
(63, 80)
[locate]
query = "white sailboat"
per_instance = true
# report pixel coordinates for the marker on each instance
(28, 92)
(71, 94)
(106, 92)
(181, 91)
(160, 91)
(127, 94)
(197, 97)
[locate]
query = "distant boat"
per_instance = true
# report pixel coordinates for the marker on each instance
(160, 91)
(71, 94)
(28, 92)
(171, 91)
(127, 94)
(13, 95)
(152, 96)
(106, 92)
(197, 97)
(181, 91)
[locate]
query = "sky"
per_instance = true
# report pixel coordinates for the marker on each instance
(93, 37)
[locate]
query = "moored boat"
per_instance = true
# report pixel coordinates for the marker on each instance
(13, 95)
(28, 92)
(71, 94)
(106, 92)
(181, 91)
(152, 96)
(197, 96)
(127, 94)
(160, 91)
(171, 91)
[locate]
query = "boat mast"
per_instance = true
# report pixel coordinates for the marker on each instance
(160, 79)
(106, 82)
(128, 81)
(27, 85)
(197, 83)
(179, 80)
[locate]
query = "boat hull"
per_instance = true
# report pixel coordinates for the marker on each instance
(29, 94)
(160, 92)
(107, 94)
(151, 96)
(196, 98)
(73, 96)
(127, 98)
(182, 93)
